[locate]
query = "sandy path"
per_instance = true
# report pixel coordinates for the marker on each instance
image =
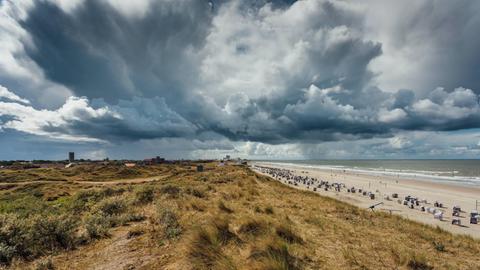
(449, 195)
(101, 183)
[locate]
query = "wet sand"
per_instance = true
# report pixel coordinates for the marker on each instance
(449, 195)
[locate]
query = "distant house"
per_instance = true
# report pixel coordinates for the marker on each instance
(153, 161)
(130, 165)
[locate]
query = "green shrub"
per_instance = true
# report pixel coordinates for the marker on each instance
(14, 238)
(439, 246)
(96, 226)
(85, 199)
(52, 233)
(169, 221)
(6, 253)
(172, 191)
(144, 195)
(111, 206)
(36, 236)
(196, 192)
(45, 264)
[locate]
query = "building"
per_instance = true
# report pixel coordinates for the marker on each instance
(153, 161)
(71, 157)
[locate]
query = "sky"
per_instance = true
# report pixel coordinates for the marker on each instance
(255, 79)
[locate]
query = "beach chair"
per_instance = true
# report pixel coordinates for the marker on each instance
(456, 221)
(474, 220)
(438, 215)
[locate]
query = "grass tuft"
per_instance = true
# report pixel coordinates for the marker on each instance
(224, 208)
(253, 227)
(287, 234)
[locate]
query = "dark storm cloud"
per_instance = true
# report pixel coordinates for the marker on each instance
(101, 53)
(265, 71)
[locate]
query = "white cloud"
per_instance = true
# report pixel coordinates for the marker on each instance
(394, 115)
(444, 107)
(4, 93)
(45, 122)
(78, 120)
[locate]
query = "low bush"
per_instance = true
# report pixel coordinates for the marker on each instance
(84, 200)
(45, 264)
(418, 263)
(196, 192)
(169, 221)
(97, 226)
(144, 195)
(35, 236)
(52, 233)
(171, 191)
(14, 238)
(111, 206)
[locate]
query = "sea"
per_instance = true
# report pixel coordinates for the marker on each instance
(464, 172)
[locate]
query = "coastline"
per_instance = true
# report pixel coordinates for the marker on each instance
(449, 195)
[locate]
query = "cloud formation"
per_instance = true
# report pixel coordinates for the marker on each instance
(260, 73)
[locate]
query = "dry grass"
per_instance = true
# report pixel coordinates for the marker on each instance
(208, 220)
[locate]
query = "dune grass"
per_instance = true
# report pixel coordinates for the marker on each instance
(223, 218)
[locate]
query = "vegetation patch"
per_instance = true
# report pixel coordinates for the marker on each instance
(288, 234)
(253, 227)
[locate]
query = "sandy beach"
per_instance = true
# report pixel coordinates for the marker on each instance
(448, 195)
